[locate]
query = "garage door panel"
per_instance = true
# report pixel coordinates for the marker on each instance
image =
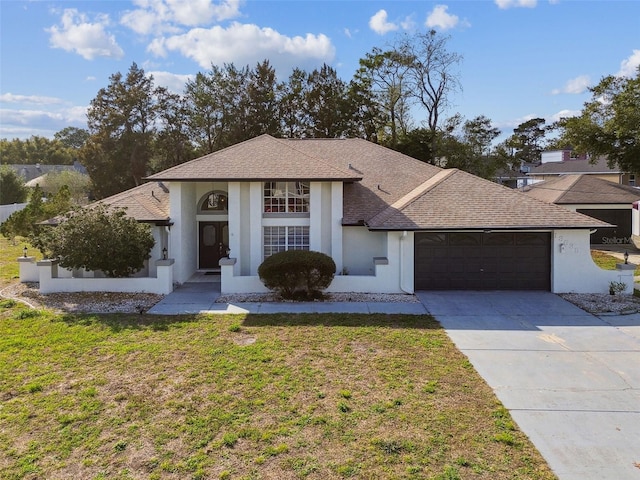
(483, 261)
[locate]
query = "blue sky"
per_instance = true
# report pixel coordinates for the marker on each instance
(521, 58)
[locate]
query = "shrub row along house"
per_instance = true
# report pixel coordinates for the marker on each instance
(391, 223)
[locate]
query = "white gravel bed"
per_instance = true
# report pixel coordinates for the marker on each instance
(602, 303)
(329, 297)
(81, 302)
(102, 302)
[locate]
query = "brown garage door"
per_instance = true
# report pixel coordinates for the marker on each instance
(482, 261)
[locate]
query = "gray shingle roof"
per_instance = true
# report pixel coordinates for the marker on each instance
(574, 166)
(148, 203)
(261, 158)
(582, 189)
(458, 200)
(383, 189)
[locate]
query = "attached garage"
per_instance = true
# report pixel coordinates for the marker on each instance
(482, 261)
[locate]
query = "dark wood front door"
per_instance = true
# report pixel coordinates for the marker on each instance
(213, 243)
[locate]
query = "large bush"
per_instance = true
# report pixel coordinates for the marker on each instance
(96, 238)
(297, 274)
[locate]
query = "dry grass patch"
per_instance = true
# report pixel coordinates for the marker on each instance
(256, 397)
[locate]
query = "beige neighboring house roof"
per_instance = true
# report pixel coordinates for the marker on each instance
(458, 200)
(599, 166)
(582, 189)
(261, 158)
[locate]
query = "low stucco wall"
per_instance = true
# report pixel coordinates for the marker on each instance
(54, 280)
(574, 270)
(382, 282)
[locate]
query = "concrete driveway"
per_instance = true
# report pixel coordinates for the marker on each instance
(570, 380)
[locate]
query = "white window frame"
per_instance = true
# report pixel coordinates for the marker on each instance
(286, 198)
(280, 238)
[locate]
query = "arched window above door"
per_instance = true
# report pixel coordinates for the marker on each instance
(214, 202)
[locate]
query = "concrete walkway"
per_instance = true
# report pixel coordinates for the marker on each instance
(201, 298)
(570, 380)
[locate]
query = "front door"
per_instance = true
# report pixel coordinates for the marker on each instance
(213, 243)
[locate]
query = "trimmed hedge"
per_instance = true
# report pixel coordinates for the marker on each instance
(297, 274)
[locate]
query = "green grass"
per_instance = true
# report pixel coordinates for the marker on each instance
(244, 397)
(9, 253)
(608, 262)
(314, 396)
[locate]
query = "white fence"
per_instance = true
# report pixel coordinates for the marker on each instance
(7, 210)
(54, 280)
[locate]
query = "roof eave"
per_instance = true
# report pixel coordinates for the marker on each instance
(488, 228)
(255, 179)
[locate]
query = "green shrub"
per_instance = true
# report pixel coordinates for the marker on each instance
(297, 274)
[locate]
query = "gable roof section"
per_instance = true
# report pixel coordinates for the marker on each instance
(261, 158)
(459, 200)
(148, 202)
(600, 166)
(582, 189)
(386, 175)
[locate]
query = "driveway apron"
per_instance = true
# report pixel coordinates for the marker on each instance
(571, 380)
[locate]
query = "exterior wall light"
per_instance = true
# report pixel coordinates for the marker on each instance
(626, 257)
(24, 252)
(164, 253)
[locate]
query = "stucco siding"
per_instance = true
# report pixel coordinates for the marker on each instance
(572, 268)
(360, 248)
(183, 238)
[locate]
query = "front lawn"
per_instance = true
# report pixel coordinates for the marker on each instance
(255, 397)
(607, 261)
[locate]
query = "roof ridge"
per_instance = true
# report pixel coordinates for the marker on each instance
(287, 140)
(411, 196)
(578, 177)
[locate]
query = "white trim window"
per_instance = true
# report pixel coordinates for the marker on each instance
(286, 197)
(279, 239)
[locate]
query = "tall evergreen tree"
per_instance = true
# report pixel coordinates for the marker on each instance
(121, 121)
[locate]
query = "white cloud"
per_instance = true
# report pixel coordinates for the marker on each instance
(379, 24)
(629, 66)
(563, 114)
(408, 23)
(574, 86)
(90, 40)
(166, 16)
(504, 4)
(33, 99)
(23, 123)
(439, 18)
(172, 81)
(90, 78)
(247, 44)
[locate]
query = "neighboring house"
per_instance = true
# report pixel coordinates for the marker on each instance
(596, 197)
(31, 172)
(390, 222)
(559, 162)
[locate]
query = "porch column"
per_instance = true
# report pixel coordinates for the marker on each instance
(234, 207)
(336, 224)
